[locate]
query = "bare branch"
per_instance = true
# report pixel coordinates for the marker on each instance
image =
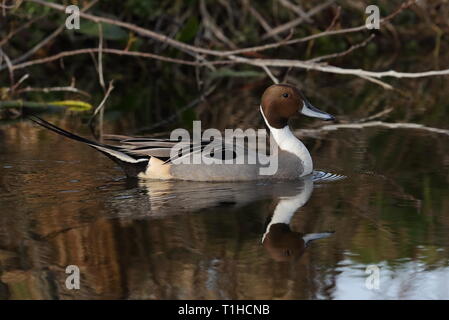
(297, 21)
(101, 105)
(189, 48)
(210, 24)
(378, 82)
(335, 19)
(16, 4)
(377, 115)
(256, 62)
(100, 57)
(114, 51)
(10, 67)
(14, 87)
(22, 27)
(321, 34)
(333, 127)
(272, 77)
(50, 37)
(297, 9)
(54, 89)
(138, 30)
(343, 53)
(230, 55)
(100, 110)
(259, 18)
(332, 69)
(38, 46)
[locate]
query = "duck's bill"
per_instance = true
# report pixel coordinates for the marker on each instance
(311, 111)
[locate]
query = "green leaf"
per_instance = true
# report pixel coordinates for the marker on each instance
(189, 31)
(74, 105)
(110, 32)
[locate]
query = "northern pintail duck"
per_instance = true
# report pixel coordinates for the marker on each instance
(150, 158)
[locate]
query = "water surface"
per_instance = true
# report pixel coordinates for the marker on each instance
(62, 203)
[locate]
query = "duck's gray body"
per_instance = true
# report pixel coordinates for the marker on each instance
(285, 165)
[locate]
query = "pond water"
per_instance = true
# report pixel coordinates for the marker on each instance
(62, 203)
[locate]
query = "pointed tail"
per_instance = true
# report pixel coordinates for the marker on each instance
(130, 163)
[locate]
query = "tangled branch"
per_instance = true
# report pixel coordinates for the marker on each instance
(235, 56)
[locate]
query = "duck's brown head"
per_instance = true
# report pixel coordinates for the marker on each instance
(284, 244)
(280, 102)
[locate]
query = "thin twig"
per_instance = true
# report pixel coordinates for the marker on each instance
(272, 77)
(343, 53)
(189, 48)
(378, 82)
(321, 34)
(333, 127)
(332, 69)
(113, 51)
(100, 110)
(212, 26)
(260, 19)
(377, 115)
(38, 46)
(101, 105)
(291, 24)
(335, 19)
(100, 57)
(14, 87)
(10, 7)
(256, 62)
(297, 9)
(16, 31)
(54, 89)
(10, 67)
(50, 37)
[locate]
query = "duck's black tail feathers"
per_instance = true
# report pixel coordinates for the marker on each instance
(131, 164)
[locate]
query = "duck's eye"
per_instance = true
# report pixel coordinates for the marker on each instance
(285, 95)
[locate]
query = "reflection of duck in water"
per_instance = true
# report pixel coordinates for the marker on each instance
(281, 242)
(160, 198)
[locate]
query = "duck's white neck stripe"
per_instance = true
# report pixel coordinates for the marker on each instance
(287, 141)
(287, 206)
